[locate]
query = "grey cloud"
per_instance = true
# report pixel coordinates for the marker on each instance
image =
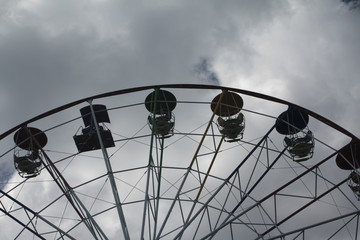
(310, 57)
(56, 52)
(205, 72)
(52, 53)
(63, 51)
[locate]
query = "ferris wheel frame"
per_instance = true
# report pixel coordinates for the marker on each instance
(195, 211)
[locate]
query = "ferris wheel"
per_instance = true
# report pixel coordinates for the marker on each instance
(180, 162)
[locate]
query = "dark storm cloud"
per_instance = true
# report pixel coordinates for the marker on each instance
(353, 4)
(37, 71)
(310, 57)
(56, 52)
(204, 71)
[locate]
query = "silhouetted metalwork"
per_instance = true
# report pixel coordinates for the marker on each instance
(88, 140)
(299, 139)
(230, 121)
(354, 183)
(349, 156)
(190, 186)
(161, 120)
(291, 121)
(27, 156)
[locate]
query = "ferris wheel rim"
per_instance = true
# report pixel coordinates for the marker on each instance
(183, 86)
(180, 86)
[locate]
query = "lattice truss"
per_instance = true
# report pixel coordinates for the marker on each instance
(179, 162)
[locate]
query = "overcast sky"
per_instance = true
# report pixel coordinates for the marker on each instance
(56, 52)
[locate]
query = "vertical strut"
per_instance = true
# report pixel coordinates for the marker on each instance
(302, 208)
(149, 165)
(223, 184)
(22, 224)
(209, 169)
(111, 176)
(68, 192)
(302, 230)
(34, 213)
(191, 163)
(158, 187)
(252, 188)
(204, 181)
(273, 193)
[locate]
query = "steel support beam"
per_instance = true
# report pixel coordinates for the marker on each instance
(272, 194)
(191, 164)
(88, 220)
(111, 176)
(223, 184)
(146, 200)
(35, 214)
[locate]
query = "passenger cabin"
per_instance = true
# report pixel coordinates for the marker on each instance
(27, 153)
(299, 140)
(161, 119)
(354, 183)
(348, 158)
(88, 139)
(230, 121)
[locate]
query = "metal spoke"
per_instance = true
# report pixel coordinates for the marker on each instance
(203, 176)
